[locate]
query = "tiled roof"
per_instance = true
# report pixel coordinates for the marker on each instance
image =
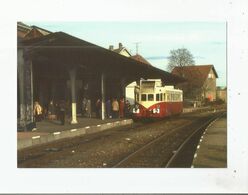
(194, 74)
(140, 59)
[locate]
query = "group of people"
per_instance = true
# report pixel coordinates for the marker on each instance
(114, 108)
(55, 111)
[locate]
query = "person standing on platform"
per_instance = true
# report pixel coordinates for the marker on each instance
(37, 111)
(88, 108)
(98, 108)
(51, 111)
(108, 108)
(122, 105)
(62, 107)
(115, 108)
(84, 102)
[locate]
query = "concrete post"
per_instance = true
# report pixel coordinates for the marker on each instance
(25, 75)
(32, 92)
(21, 87)
(73, 96)
(103, 95)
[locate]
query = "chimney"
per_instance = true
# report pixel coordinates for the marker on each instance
(120, 45)
(111, 47)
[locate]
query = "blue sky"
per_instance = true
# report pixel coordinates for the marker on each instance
(205, 40)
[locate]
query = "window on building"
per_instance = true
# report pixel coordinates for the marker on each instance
(210, 76)
(150, 97)
(143, 97)
(160, 97)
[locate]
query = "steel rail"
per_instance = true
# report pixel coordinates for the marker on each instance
(175, 155)
(150, 143)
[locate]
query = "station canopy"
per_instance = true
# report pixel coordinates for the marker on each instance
(68, 51)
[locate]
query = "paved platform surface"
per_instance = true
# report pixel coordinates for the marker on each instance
(212, 149)
(48, 131)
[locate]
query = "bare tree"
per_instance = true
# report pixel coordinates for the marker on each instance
(180, 57)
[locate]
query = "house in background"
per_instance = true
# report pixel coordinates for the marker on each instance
(200, 84)
(221, 94)
(140, 59)
(120, 50)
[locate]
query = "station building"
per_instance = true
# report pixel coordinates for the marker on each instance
(57, 66)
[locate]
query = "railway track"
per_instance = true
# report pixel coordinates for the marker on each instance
(141, 145)
(171, 145)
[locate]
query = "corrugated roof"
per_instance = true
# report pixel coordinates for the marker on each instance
(72, 49)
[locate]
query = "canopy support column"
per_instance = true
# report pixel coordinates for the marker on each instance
(73, 96)
(103, 95)
(25, 84)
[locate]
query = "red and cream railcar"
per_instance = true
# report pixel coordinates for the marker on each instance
(152, 100)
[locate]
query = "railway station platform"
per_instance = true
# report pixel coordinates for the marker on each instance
(48, 131)
(212, 149)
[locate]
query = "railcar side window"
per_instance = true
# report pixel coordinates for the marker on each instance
(143, 97)
(157, 97)
(150, 97)
(175, 97)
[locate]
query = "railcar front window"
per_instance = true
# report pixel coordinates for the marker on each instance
(150, 97)
(160, 97)
(157, 97)
(143, 97)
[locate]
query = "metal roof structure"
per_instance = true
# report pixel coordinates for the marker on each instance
(69, 51)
